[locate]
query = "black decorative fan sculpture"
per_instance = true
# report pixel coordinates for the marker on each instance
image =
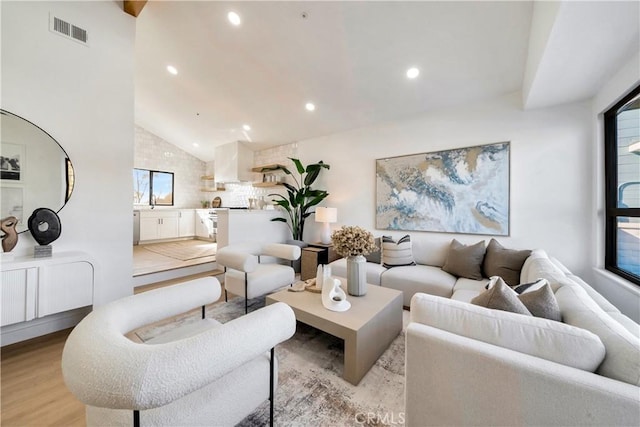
(44, 225)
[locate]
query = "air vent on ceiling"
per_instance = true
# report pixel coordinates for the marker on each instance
(68, 30)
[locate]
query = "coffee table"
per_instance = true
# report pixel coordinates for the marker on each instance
(367, 328)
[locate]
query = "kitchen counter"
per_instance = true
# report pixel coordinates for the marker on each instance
(255, 225)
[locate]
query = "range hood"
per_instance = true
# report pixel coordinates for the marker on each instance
(233, 162)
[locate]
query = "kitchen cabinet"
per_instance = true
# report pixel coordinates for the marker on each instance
(237, 226)
(187, 223)
(159, 224)
(36, 287)
(203, 224)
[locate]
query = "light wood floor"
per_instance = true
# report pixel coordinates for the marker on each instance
(33, 391)
(146, 262)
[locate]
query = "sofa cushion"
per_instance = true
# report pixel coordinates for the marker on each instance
(542, 303)
(395, 254)
(622, 360)
(418, 278)
(471, 284)
(374, 271)
(625, 321)
(467, 289)
(503, 262)
(430, 252)
(465, 260)
(501, 297)
(554, 341)
(537, 266)
(464, 295)
(595, 295)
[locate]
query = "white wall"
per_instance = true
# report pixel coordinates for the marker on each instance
(83, 97)
(624, 294)
(153, 152)
(551, 169)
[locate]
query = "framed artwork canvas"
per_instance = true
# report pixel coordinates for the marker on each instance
(464, 190)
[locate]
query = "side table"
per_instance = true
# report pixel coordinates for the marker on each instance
(314, 255)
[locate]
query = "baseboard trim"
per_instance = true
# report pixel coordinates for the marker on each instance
(17, 332)
(176, 273)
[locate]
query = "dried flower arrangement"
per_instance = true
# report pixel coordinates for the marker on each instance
(352, 241)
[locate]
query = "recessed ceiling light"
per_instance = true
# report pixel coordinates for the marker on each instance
(172, 69)
(246, 127)
(413, 72)
(195, 144)
(309, 106)
(234, 18)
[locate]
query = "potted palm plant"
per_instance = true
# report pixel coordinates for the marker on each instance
(300, 196)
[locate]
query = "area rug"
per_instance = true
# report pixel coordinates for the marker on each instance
(311, 390)
(183, 251)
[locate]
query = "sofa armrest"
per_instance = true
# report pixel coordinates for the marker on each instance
(454, 380)
(105, 369)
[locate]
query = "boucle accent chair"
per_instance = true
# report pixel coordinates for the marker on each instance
(204, 373)
(246, 272)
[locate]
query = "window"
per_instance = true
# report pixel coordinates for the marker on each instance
(622, 180)
(152, 187)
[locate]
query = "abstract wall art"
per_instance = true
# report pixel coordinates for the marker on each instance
(464, 190)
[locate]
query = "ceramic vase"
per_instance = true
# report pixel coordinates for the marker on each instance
(357, 275)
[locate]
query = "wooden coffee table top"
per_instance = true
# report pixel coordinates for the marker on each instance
(363, 309)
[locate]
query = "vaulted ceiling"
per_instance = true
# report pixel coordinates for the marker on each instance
(350, 59)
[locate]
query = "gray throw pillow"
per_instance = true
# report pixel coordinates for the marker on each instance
(396, 254)
(501, 297)
(542, 303)
(465, 261)
(506, 263)
(375, 256)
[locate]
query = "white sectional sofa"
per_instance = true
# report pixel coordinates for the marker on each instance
(470, 365)
(426, 276)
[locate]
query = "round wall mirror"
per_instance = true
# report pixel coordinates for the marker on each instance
(35, 171)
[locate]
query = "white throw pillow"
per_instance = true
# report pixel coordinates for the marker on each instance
(397, 254)
(547, 339)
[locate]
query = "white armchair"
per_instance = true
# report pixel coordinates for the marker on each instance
(204, 373)
(247, 275)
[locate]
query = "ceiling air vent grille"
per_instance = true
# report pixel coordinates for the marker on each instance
(68, 30)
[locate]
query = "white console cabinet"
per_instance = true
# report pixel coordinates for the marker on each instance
(33, 288)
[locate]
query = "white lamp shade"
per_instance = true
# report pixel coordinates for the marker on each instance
(328, 215)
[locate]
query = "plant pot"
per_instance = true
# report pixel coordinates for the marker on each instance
(357, 275)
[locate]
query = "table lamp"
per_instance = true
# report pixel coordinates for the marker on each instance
(326, 216)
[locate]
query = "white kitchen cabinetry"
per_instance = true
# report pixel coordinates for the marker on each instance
(36, 287)
(238, 226)
(204, 225)
(159, 224)
(187, 223)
